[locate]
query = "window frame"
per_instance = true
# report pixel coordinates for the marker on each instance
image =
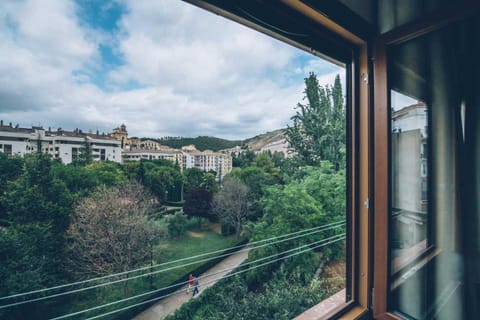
(381, 141)
(330, 31)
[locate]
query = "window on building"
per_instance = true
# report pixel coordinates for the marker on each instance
(7, 149)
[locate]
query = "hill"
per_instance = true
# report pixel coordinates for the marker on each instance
(259, 141)
(201, 143)
(213, 143)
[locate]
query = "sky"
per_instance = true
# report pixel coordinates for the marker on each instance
(163, 68)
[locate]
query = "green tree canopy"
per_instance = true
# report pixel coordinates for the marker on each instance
(318, 130)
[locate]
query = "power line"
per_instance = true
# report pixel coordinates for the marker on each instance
(333, 240)
(323, 228)
(212, 281)
(163, 264)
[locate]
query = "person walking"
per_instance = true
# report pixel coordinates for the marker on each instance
(190, 283)
(195, 286)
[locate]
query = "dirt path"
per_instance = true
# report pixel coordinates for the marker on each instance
(168, 305)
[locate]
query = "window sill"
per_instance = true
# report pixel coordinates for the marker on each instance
(323, 308)
(331, 307)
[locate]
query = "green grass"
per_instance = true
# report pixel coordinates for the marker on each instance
(190, 244)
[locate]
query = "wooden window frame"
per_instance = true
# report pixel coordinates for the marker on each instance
(327, 20)
(381, 146)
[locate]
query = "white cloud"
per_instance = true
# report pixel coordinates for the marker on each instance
(199, 74)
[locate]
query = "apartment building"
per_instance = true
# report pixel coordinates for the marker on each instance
(152, 154)
(188, 157)
(59, 144)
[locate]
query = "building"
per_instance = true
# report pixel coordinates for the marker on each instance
(134, 143)
(409, 176)
(121, 134)
(207, 160)
(59, 144)
(152, 154)
(278, 146)
(188, 157)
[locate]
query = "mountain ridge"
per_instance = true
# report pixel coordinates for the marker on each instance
(216, 144)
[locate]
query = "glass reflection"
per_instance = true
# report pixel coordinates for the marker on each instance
(434, 218)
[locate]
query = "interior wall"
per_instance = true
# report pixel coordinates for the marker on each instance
(365, 8)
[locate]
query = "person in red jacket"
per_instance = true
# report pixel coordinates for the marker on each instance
(191, 278)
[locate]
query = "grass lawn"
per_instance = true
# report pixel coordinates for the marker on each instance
(193, 242)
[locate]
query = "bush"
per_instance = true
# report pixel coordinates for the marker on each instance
(177, 224)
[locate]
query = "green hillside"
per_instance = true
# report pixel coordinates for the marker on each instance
(213, 143)
(201, 143)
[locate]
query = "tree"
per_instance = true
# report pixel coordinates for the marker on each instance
(10, 170)
(318, 129)
(32, 241)
(209, 182)
(193, 179)
(85, 156)
(230, 204)
(106, 173)
(162, 180)
(198, 203)
(257, 180)
(110, 232)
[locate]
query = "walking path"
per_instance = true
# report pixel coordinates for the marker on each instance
(168, 305)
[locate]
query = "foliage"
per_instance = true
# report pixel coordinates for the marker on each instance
(231, 205)
(198, 203)
(193, 179)
(79, 180)
(282, 298)
(37, 211)
(315, 198)
(110, 231)
(201, 143)
(106, 173)
(257, 180)
(37, 196)
(161, 181)
(209, 182)
(10, 169)
(318, 131)
(177, 224)
(243, 159)
(85, 156)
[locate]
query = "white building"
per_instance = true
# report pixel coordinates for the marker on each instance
(277, 146)
(207, 160)
(59, 144)
(151, 154)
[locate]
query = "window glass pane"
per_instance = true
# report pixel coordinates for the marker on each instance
(191, 145)
(434, 174)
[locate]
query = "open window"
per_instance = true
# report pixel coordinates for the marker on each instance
(425, 88)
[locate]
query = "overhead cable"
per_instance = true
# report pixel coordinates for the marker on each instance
(164, 263)
(335, 239)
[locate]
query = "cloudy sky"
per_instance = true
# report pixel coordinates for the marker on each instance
(162, 67)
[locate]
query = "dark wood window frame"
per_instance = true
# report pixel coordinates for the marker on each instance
(381, 147)
(330, 34)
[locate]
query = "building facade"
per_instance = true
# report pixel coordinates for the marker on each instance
(60, 144)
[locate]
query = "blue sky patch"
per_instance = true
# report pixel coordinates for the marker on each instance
(102, 15)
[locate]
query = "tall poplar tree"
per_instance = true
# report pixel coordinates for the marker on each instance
(318, 126)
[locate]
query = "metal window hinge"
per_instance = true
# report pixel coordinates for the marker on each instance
(366, 203)
(365, 77)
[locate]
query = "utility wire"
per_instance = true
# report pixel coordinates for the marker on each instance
(332, 240)
(165, 263)
(324, 228)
